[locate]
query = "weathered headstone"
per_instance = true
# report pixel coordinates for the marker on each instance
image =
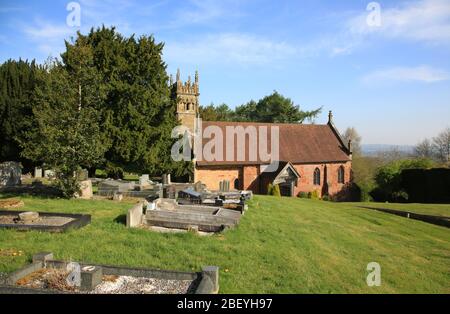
(198, 186)
(109, 187)
(86, 189)
(117, 196)
(49, 174)
(37, 172)
(144, 180)
(10, 173)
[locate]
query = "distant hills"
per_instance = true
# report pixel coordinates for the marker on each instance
(375, 149)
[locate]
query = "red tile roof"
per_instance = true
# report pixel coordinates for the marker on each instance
(298, 143)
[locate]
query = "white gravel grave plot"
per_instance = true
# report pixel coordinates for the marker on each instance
(142, 285)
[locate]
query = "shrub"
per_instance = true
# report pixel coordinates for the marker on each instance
(273, 190)
(400, 196)
(67, 183)
(388, 178)
(276, 190)
(314, 195)
(326, 198)
(269, 189)
(113, 171)
(302, 195)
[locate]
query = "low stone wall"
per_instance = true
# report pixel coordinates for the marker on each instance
(435, 220)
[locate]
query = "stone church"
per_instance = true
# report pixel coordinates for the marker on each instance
(312, 157)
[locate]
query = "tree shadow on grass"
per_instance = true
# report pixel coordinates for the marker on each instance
(121, 219)
(30, 190)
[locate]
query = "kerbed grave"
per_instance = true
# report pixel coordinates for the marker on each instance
(51, 222)
(46, 275)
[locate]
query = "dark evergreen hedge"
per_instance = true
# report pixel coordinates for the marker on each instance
(427, 185)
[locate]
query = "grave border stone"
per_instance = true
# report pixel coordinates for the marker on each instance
(204, 282)
(80, 220)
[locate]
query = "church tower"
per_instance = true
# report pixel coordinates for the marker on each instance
(187, 98)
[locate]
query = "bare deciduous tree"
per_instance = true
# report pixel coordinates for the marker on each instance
(441, 144)
(424, 149)
(351, 134)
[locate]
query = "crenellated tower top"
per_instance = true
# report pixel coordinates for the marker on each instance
(187, 87)
(187, 98)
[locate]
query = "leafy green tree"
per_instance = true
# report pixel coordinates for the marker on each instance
(137, 114)
(247, 112)
(68, 134)
(17, 84)
(274, 108)
(219, 113)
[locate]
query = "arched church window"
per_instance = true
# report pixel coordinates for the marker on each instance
(317, 176)
(341, 175)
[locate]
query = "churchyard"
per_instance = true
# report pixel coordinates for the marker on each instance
(281, 245)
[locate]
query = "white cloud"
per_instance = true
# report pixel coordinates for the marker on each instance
(46, 31)
(229, 47)
(47, 37)
(422, 73)
(420, 20)
(94, 13)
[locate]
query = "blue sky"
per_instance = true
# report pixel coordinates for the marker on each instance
(391, 81)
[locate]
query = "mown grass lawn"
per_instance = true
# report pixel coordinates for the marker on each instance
(282, 245)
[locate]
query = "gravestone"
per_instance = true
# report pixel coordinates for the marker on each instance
(118, 196)
(198, 186)
(109, 187)
(10, 173)
(49, 174)
(86, 189)
(37, 172)
(144, 180)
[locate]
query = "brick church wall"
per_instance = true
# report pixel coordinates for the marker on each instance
(249, 177)
(306, 181)
(211, 176)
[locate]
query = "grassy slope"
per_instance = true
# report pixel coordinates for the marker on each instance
(281, 246)
(426, 209)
